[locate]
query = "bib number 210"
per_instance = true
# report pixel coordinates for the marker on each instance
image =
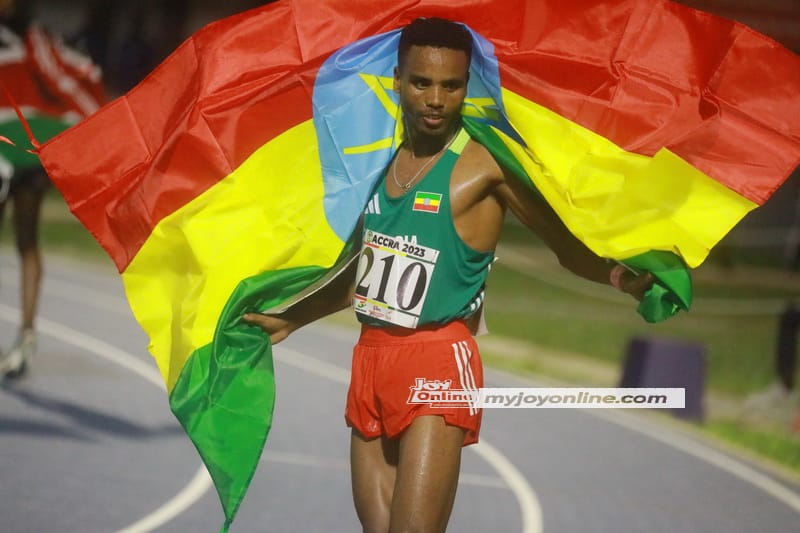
(391, 284)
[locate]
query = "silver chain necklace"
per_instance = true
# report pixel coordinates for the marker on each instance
(406, 186)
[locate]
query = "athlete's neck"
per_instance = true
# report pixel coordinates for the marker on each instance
(424, 145)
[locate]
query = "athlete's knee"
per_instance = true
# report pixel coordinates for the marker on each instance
(372, 509)
(27, 241)
(373, 514)
(414, 525)
(379, 527)
(26, 233)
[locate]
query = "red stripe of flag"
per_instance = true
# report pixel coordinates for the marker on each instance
(655, 74)
(173, 137)
(646, 74)
(426, 207)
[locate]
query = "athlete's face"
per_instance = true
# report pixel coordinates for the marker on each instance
(432, 85)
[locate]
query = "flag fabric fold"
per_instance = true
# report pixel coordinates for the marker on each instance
(651, 129)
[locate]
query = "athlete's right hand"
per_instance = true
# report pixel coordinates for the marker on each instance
(275, 326)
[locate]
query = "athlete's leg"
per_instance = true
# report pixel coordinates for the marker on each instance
(373, 465)
(427, 476)
(27, 205)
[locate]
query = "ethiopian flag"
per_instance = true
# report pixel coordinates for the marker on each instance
(427, 201)
(231, 179)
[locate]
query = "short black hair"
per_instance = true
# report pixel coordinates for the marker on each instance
(436, 32)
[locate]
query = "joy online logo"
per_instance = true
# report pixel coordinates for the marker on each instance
(437, 393)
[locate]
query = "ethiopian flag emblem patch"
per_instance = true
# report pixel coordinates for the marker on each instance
(427, 201)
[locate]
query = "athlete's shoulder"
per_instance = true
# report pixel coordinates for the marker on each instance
(479, 162)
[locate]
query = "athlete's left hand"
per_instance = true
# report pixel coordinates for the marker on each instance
(635, 285)
(277, 327)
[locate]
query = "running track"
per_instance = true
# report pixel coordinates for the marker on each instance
(87, 444)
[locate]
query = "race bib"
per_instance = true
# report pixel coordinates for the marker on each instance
(393, 279)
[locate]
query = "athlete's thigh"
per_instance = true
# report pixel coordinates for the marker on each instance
(427, 475)
(373, 465)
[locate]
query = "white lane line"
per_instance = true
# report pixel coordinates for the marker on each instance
(528, 502)
(312, 365)
(303, 459)
(697, 450)
(69, 291)
(187, 497)
(530, 510)
(200, 482)
(480, 480)
(709, 455)
(339, 374)
(89, 297)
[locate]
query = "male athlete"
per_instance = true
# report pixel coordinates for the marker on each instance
(428, 241)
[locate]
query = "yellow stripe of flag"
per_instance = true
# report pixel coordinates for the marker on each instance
(618, 203)
(222, 237)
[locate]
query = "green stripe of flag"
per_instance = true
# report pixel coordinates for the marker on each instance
(428, 196)
(225, 395)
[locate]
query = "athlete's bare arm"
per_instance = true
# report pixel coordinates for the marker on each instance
(335, 296)
(481, 191)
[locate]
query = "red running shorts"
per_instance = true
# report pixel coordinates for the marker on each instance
(399, 374)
